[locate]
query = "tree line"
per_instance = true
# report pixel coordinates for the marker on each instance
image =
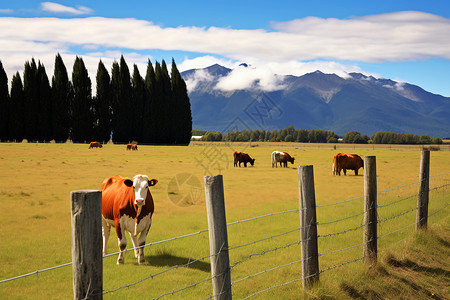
(290, 134)
(154, 109)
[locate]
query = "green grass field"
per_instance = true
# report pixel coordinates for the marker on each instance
(36, 181)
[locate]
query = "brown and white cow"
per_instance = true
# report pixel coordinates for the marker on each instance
(344, 162)
(241, 157)
(95, 145)
(281, 157)
(127, 205)
(134, 147)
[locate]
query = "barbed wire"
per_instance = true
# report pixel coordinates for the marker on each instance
(396, 201)
(264, 252)
(266, 238)
(339, 220)
(343, 249)
(36, 272)
(279, 285)
(340, 265)
(329, 204)
(263, 216)
(399, 215)
(341, 232)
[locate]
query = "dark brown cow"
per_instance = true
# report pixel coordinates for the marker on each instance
(127, 205)
(344, 162)
(128, 146)
(241, 157)
(95, 145)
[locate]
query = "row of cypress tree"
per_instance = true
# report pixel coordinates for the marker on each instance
(154, 109)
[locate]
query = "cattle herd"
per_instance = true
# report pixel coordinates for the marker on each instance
(127, 205)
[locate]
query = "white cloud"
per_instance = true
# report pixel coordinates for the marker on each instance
(6, 11)
(399, 36)
(59, 8)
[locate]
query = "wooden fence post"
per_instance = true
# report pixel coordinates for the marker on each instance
(87, 243)
(308, 225)
(218, 237)
(370, 210)
(422, 197)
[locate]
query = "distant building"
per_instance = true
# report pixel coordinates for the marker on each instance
(196, 137)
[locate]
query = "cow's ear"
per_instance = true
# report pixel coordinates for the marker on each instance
(128, 182)
(152, 182)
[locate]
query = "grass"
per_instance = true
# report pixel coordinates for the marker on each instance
(35, 185)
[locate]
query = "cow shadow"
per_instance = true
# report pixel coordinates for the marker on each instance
(169, 260)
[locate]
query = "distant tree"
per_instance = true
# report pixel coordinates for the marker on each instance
(138, 104)
(182, 117)
(4, 105)
(122, 103)
(31, 100)
(425, 139)
(44, 120)
(150, 125)
(102, 104)
(62, 96)
(165, 107)
(82, 110)
(437, 141)
(16, 120)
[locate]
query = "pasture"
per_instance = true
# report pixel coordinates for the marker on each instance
(36, 181)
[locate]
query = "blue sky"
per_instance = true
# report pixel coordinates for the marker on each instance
(401, 40)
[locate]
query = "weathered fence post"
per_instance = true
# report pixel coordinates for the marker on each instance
(87, 243)
(308, 225)
(370, 210)
(218, 237)
(422, 197)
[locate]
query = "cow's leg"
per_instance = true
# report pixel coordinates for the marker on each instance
(106, 229)
(135, 244)
(345, 171)
(245, 164)
(122, 241)
(356, 172)
(141, 242)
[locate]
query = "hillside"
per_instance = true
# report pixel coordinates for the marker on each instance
(314, 101)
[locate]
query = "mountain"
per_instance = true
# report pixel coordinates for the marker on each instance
(312, 101)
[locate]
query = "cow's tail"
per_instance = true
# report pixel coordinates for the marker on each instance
(337, 170)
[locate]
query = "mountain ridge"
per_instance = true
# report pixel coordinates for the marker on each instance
(313, 101)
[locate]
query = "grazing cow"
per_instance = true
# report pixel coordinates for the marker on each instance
(344, 162)
(127, 205)
(128, 146)
(281, 157)
(134, 147)
(241, 157)
(95, 145)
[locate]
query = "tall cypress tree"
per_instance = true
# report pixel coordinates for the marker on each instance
(149, 118)
(138, 104)
(31, 100)
(158, 105)
(62, 95)
(16, 120)
(4, 105)
(168, 105)
(82, 113)
(182, 117)
(121, 86)
(44, 122)
(102, 104)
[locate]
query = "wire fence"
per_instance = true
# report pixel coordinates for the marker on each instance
(256, 258)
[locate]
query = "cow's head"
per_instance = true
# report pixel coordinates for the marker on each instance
(252, 161)
(291, 160)
(140, 184)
